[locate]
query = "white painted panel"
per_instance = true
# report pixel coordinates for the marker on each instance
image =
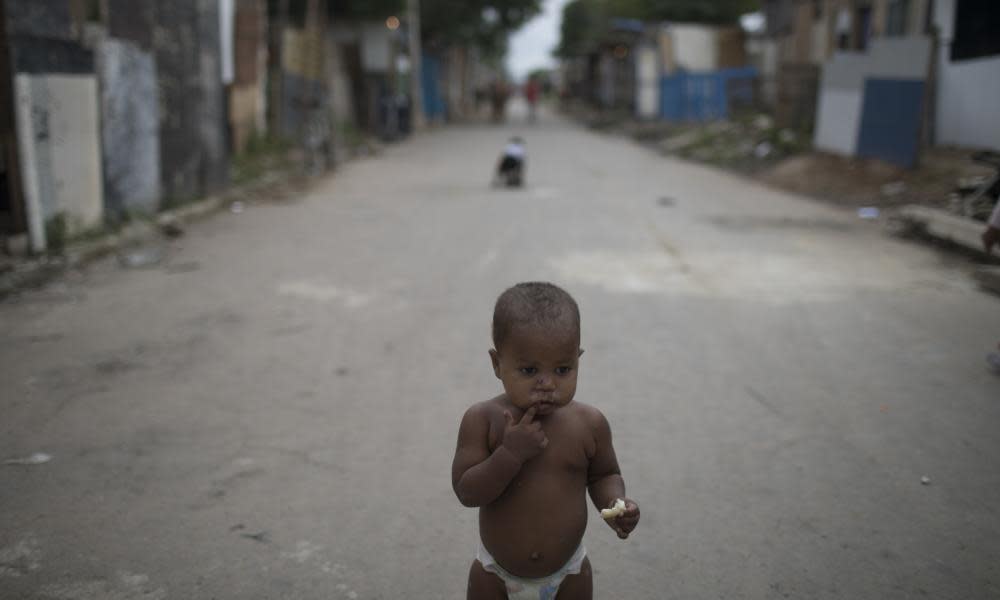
(76, 147)
(838, 120)
(65, 139)
(647, 83)
(844, 71)
(375, 48)
(696, 47)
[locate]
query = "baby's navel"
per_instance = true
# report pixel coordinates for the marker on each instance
(535, 556)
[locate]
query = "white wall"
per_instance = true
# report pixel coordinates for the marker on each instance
(968, 92)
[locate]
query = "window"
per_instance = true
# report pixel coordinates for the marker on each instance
(976, 25)
(895, 24)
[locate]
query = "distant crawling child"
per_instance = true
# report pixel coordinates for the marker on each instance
(510, 167)
(526, 457)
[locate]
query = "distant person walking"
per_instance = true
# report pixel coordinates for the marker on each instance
(498, 99)
(531, 92)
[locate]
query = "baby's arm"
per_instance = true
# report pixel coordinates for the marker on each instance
(604, 478)
(479, 476)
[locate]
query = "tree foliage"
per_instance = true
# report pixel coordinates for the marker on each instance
(482, 23)
(586, 21)
(361, 10)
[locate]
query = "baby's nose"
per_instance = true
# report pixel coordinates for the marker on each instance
(546, 382)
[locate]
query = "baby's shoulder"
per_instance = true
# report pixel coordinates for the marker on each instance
(591, 416)
(486, 417)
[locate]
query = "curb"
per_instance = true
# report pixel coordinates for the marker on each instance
(35, 271)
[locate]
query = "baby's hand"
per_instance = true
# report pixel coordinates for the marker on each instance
(525, 440)
(626, 522)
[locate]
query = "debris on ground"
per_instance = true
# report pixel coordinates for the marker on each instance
(925, 480)
(894, 188)
(237, 207)
(38, 458)
(260, 536)
(868, 212)
(142, 257)
(170, 226)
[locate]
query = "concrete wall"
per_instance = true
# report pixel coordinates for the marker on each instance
(192, 123)
(130, 123)
(968, 91)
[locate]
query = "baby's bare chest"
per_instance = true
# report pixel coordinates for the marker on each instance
(569, 448)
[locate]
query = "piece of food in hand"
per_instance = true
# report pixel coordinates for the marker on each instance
(616, 510)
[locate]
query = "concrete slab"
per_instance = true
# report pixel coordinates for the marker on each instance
(944, 225)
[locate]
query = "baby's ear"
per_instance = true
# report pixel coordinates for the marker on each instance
(495, 359)
(580, 354)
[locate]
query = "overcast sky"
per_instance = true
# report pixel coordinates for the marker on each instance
(531, 46)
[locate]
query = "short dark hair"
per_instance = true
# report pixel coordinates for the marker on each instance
(534, 303)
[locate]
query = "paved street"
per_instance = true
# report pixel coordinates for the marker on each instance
(272, 411)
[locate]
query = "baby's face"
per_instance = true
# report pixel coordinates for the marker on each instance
(538, 367)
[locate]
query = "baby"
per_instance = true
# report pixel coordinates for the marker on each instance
(510, 167)
(526, 457)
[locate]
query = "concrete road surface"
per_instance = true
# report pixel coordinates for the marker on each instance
(271, 411)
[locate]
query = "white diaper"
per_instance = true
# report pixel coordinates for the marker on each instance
(544, 588)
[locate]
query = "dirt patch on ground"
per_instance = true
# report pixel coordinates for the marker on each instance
(752, 144)
(859, 182)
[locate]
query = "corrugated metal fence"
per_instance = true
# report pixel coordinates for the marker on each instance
(704, 96)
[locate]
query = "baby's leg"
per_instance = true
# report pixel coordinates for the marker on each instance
(484, 585)
(579, 586)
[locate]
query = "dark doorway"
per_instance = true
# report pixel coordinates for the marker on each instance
(12, 215)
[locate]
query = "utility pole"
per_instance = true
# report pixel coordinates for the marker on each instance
(416, 60)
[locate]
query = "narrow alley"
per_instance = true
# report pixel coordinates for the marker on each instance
(271, 411)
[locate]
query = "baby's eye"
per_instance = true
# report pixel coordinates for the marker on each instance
(563, 370)
(528, 370)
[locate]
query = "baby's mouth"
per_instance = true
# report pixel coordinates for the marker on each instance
(545, 401)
